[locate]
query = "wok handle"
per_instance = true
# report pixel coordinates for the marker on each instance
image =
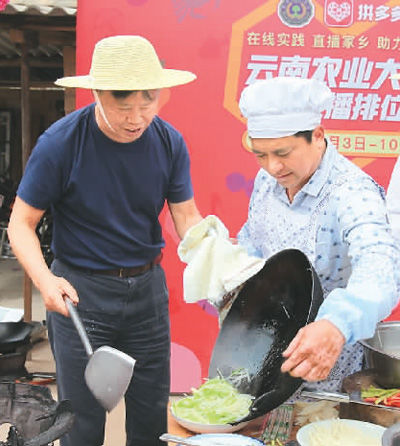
(79, 326)
(330, 396)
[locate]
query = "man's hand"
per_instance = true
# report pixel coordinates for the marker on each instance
(54, 291)
(313, 351)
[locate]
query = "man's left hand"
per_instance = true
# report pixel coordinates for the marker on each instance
(313, 351)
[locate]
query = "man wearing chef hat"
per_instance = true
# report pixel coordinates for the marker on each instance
(309, 197)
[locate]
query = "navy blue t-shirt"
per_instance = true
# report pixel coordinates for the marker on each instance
(105, 196)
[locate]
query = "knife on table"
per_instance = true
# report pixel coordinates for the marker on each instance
(353, 397)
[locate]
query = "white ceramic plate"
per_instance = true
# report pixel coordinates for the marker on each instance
(228, 439)
(208, 428)
(374, 431)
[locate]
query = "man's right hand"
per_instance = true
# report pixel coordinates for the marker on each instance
(313, 351)
(54, 290)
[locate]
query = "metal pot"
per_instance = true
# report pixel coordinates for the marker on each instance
(391, 436)
(382, 353)
(14, 334)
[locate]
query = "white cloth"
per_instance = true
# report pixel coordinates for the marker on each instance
(215, 266)
(268, 116)
(393, 200)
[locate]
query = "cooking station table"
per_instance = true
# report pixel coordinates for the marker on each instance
(253, 429)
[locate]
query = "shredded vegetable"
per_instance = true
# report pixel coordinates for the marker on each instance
(387, 397)
(237, 378)
(214, 402)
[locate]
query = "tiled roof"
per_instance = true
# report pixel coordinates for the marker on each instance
(41, 7)
(23, 14)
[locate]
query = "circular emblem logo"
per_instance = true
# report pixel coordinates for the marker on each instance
(296, 13)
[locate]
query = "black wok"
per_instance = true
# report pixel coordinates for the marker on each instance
(14, 334)
(265, 316)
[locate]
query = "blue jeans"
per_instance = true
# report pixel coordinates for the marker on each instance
(131, 315)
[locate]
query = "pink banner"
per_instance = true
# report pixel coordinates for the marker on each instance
(352, 45)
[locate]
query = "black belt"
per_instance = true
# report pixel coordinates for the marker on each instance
(123, 272)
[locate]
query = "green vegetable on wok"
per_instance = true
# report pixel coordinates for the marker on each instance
(214, 402)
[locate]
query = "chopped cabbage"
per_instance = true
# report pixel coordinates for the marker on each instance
(214, 402)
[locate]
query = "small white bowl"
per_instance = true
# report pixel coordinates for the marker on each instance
(208, 428)
(373, 431)
(228, 439)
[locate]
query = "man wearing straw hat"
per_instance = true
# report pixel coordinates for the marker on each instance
(106, 171)
(308, 196)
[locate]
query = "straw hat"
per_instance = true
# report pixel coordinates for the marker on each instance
(126, 63)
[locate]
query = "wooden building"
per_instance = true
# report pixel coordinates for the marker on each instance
(37, 46)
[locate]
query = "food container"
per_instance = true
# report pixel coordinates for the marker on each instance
(377, 415)
(333, 430)
(224, 439)
(391, 436)
(201, 428)
(382, 353)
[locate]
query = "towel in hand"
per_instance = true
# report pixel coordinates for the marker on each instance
(215, 266)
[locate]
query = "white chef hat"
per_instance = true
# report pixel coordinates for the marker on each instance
(283, 106)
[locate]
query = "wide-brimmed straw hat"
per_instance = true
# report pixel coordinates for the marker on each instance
(126, 63)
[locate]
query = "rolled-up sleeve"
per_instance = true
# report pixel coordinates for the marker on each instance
(373, 287)
(393, 200)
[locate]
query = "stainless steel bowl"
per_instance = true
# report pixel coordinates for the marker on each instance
(382, 353)
(391, 436)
